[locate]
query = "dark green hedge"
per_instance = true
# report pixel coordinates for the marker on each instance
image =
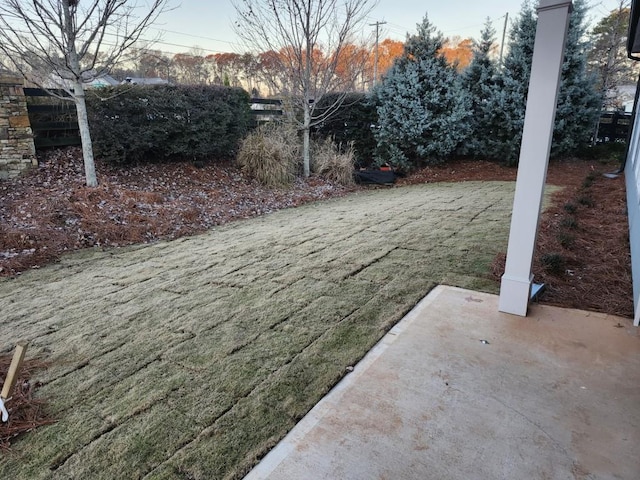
(352, 122)
(129, 124)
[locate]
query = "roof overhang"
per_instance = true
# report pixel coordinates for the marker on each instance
(633, 39)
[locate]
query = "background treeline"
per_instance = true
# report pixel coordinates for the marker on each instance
(430, 105)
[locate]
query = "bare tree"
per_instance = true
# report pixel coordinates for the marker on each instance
(191, 68)
(74, 42)
(608, 58)
(152, 63)
(608, 55)
(310, 37)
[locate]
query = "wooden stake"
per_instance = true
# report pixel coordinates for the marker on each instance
(14, 368)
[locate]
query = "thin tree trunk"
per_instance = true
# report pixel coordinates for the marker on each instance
(73, 62)
(306, 143)
(85, 136)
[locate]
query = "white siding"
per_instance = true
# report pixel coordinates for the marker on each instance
(632, 174)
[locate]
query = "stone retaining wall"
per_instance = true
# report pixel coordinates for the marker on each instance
(17, 151)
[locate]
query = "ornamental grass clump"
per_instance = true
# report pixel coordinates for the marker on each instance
(333, 164)
(270, 154)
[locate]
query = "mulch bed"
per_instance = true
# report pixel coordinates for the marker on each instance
(25, 412)
(582, 253)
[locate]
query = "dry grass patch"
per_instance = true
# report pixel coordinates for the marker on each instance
(331, 163)
(270, 154)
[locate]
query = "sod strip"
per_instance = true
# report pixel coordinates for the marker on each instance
(191, 358)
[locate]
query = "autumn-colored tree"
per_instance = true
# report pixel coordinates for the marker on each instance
(351, 67)
(212, 69)
(458, 52)
(229, 66)
(248, 71)
(388, 51)
(153, 63)
(190, 68)
(269, 72)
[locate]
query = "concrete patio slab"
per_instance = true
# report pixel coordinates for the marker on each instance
(457, 390)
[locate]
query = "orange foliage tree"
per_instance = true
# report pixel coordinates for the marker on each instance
(458, 52)
(351, 67)
(152, 63)
(388, 51)
(229, 68)
(269, 72)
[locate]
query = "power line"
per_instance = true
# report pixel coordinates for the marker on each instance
(394, 27)
(161, 42)
(162, 30)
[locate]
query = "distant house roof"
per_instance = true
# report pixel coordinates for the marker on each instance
(145, 81)
(102, 81)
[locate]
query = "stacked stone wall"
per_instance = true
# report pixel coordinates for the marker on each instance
(17, 151)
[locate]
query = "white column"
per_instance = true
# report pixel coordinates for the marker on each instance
(548, 54)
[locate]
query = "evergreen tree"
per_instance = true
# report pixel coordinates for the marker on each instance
(578, 101)
(422, 109)
(480, 81)
(506, 107)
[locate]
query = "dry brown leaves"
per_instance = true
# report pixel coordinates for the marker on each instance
(25, 412)
(49, 211)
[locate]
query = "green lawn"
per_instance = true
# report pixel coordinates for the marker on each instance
(190, 359)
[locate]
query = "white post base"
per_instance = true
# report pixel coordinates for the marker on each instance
(514, 295)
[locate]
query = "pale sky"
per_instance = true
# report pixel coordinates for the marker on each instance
(208, 23)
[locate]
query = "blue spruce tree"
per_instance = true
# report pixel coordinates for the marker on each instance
(422, 109)
(507, 104)
(480, 80)
(578, 99)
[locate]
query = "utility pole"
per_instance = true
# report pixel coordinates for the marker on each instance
(504, 34)
(375, 64)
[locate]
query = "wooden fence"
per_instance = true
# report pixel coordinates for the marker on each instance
(54, 121)
(614, 127)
